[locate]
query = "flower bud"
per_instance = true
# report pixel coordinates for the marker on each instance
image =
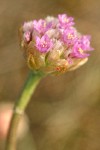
(53, 45)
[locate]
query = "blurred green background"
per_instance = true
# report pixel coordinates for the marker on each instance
(64, 112)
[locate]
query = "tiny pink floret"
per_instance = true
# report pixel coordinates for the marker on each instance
(27, 36)
(44, 44)
(41, 26)
(65, 21)
(81, 47)
(69, 36)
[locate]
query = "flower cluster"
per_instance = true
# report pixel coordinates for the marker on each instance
(53, 45)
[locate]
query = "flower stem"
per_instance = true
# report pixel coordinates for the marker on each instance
(19, 108)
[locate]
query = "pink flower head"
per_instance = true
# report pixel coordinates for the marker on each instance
(69, 36)
(57, 41)
(44, 44)
(65, 21)
(85, 42)
(41, 26)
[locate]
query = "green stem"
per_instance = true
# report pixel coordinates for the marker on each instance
(19, 108)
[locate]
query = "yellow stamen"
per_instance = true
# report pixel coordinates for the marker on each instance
(70, 36)
(44, 44)
(80, 50)
(66, 20)
(44, 24)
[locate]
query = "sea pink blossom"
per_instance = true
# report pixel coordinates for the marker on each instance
(78, 52)
(41, 26)
(27, 36)
(43, 44)
(54, 44)
(65, 21)
(81, 47)
(85, 42)
(69, 36)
